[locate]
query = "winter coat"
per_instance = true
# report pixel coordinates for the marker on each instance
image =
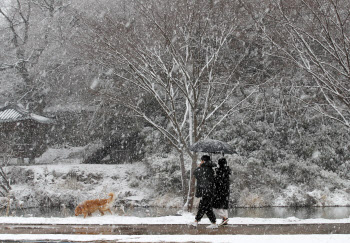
(205, 179)
(222, 187)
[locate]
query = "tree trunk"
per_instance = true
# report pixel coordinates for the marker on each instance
(183, 176)
(8, 205)
(4, 178)
(31, 160)
(192, 184)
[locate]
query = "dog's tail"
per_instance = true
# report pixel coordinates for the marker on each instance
(111, 197)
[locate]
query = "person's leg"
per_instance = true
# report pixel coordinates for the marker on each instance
(201, 210)
(216, 212)
(211, 215)
(225, 213)
(219, 212)
(208, 208)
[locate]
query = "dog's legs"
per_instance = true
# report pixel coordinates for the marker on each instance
(109, 210)
(101, 211)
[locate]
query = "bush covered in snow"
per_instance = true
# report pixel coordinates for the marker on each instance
(293, 182)
(165, 173)
(275, 164)
(54, 185)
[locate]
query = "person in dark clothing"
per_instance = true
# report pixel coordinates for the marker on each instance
(222, 190)
(205, 190)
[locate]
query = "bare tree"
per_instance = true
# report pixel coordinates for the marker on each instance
(28, 25)
(182, 55)
(4, 183)
(314, 35)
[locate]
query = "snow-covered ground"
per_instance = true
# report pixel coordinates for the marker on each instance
(61, 179)
(181, 219)
(69, 184)
(184, 219)
(58, 178)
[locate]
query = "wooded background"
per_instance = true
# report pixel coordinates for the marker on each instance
(270, 77)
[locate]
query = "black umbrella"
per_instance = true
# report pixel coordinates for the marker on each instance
(212, 146)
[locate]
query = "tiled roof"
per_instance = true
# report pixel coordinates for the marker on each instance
(13, 113)
(10, 114)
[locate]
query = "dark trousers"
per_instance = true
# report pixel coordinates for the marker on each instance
(206, 207)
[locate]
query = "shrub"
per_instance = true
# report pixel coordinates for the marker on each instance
(252, 199)
(166, 173)
(20, 175)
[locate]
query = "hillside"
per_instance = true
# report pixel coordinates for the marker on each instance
(60, 179)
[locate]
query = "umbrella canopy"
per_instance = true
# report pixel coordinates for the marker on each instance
(212, 146)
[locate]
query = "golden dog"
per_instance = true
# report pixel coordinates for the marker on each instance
(88, 207)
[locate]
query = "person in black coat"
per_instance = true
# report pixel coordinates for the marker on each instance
(222, 190)
(205, 190)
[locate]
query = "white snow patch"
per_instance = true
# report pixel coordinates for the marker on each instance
(95, 83)
(289, 192)
(66, 155)
(110, 71)
(41, 119)
(182, 219)
(316, 154)
(340, 198)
